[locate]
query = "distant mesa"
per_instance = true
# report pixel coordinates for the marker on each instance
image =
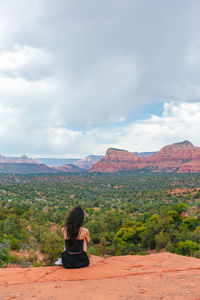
(181, 157)
(25, 168)
(23, 165)
(22, 159)
(26, 165)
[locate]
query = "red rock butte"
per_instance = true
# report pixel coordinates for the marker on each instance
(155, 276)
(181, 157)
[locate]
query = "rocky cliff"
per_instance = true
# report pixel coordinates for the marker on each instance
(116, 160)
(154, 276)
(179, 157)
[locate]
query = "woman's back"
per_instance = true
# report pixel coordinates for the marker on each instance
(82, 239)
(76, 248)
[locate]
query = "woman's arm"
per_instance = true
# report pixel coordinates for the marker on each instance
(87, 235)
(64, 233)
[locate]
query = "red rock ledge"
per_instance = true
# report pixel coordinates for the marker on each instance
(154, 276)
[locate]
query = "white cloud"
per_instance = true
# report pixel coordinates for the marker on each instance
(178, 122)
(88, 66)
(23, 61)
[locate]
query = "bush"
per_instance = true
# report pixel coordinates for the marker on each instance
(111, 221)
(4, 255)
(180, 207)
(18, 260)
(148, 239)
(32, 256)
(189, 223)
(94, 250)
(162, 240)
(52, 246)
(187, 248)
(126, 234)
(37, 264)
(125, 248)
(14, 244)
(171, 247)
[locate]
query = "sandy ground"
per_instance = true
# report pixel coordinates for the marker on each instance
(154, 276)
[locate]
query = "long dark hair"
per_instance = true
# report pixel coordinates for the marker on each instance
(73, 224)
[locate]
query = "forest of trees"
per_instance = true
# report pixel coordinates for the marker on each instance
(126, 213)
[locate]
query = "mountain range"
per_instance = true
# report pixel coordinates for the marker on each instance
(182, 157)
(26, 165)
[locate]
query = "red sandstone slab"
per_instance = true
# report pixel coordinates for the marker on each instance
(155, 276)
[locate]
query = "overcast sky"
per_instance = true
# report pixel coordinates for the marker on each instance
(77, 77)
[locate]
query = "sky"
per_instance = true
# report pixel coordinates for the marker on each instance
(78, 77)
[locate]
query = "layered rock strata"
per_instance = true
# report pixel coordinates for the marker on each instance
(181, 157)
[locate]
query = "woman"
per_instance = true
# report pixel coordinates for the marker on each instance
(76, 239)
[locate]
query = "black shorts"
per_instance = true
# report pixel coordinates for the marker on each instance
(72, 261)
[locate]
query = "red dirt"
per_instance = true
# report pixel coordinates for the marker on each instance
(133, 277)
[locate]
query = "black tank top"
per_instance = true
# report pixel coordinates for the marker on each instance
(78, 246)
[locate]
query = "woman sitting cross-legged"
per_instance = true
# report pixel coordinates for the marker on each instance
(76, 239)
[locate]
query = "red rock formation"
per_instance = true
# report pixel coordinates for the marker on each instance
(182, 152)
(175, 157)
(155, 276)
(117, 160)
(179, 157)
(190, 167)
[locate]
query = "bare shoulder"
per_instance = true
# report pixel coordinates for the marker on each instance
(85, 229)
(83, 232)
(85, 235)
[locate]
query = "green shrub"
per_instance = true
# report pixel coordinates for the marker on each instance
(18, 260)
(52, 246)
(37, 264)
(4, 255)
(162, 239)
(14, 244)
(187, 248)
(32, 256)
